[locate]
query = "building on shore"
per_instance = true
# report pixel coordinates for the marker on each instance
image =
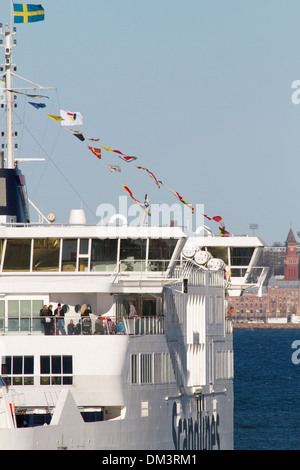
(280, 296)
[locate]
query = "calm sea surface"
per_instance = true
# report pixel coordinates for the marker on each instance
(267, 389)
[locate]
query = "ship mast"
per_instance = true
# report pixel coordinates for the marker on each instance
(8, 85)
(7, 76)
(13, 194)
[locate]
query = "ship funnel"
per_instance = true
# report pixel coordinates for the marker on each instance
(77, 217)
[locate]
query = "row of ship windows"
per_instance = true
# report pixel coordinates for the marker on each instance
(58, 370)
(24, 315)
(87, 254)
(159, 368)
(233, 256)
(154, 368)
(54, 370)
(55, 254)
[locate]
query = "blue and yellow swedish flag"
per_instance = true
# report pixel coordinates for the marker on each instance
(28, 13)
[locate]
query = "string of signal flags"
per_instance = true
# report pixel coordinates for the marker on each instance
(70, 119)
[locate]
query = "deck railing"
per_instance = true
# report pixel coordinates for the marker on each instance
(50, 326)
(199, 278)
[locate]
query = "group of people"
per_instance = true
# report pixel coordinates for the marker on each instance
(105, 326)
(53, 322)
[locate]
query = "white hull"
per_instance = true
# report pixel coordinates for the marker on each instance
(153, 417)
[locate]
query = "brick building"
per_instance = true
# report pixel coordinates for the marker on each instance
(280, 297)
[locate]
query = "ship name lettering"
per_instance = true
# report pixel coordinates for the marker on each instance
(199, 434)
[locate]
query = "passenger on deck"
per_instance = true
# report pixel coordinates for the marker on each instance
(120, 328)
(47, 320)
(50, 314)
(133, 319)
(87, 311)
(132, 310)
(99, 326)
(60, 320)
(77, 329)
(86, 324)
(83, 309)
(110, 326)
(71, 328)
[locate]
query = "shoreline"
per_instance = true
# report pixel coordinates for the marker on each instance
(267, 326)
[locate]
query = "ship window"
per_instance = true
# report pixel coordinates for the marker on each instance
(17, 370)
(17, 255)
(3, 202)
(134, 369)
(69, 255)
(154, 368)
(148, 307)
(219, 252)
(23, 315)
(104, 254)
(2, 315)
(133, 254)
(241, 256)
(146, 368)
(17, 365)
(224, 365)
(56, 370)
(56, 364)
(46, 254)
(45, 364)
(67, 365)
(84, 246)
(13, 315)
(219, 310)
(160, 253)
(238, 272)
(83, 264)
(211, 310)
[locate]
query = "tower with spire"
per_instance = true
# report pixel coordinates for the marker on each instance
(291, 261)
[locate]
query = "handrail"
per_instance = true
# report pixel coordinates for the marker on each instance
(76, 325)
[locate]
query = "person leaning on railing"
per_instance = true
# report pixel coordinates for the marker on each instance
(47, 320)
(132, 310)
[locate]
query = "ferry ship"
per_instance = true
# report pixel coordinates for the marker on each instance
(140, 353)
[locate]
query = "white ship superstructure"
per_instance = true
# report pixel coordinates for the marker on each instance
(101, 378)
(166, 382)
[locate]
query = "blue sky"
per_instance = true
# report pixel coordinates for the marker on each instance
(200, 91)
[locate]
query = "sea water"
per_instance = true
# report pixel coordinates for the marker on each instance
(267, 389)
